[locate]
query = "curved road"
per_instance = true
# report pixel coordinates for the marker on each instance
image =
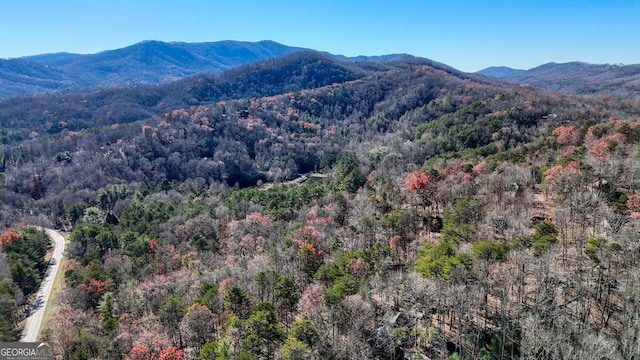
(36, 312)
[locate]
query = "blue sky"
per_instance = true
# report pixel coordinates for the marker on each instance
(469, 35)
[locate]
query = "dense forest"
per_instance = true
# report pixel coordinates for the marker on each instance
(304, 208)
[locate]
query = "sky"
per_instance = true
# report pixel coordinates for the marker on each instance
(467, 34)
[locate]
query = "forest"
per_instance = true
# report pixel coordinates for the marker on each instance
(305, 208)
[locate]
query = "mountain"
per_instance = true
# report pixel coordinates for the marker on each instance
(147, 62)
(499, 72)
(579, 78)
(78, 110)
(20, 76)
(287, 74)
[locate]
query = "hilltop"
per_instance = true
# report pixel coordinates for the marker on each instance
(499, 72)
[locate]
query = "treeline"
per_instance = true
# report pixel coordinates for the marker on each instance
(22, 267)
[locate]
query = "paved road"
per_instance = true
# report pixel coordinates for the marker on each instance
(34, 321)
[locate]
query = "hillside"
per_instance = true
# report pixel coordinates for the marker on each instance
(19, 76)
(81, 110)
(433, 213)
(577, 78)
(153, 62)
(147, 62)
(294, 72)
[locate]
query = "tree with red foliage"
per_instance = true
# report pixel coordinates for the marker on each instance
(152, 336)
(567, 135)
(559, 180)
(305, 245)
(421, 183)
(95, 289)
(9, 237)
(153, 246)
(139, 352)
(171, 353)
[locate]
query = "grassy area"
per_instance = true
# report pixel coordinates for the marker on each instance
(52, 305)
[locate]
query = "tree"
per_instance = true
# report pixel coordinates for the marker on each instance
(209, 297)
(171, 353)
(215, 350)
(490, 251)
(8, 309)
(311, 302)
(287, 295)
(567, 135)
(95, 289)
(9, 237)
(310, 259)
(346, 173)
(139, 352)
(305, 331)
(265, 333)
(24, 273)
(170, 314)
(107, 197)
(633, 203)
(267, 281)
(67, 328)
(358, 267)
(441, 260)
(294, 350)
(421, 183)
(236, 301)
(459, 223)
(198, 326)
(153, 246)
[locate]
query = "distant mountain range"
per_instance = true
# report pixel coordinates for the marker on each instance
(576, 78)
(290, 73)
(147, 62)
(500, 72)
(157, 62)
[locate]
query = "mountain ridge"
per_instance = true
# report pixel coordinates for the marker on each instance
(147, 62)
(85, 109)
(578, 78)
(152, 62)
